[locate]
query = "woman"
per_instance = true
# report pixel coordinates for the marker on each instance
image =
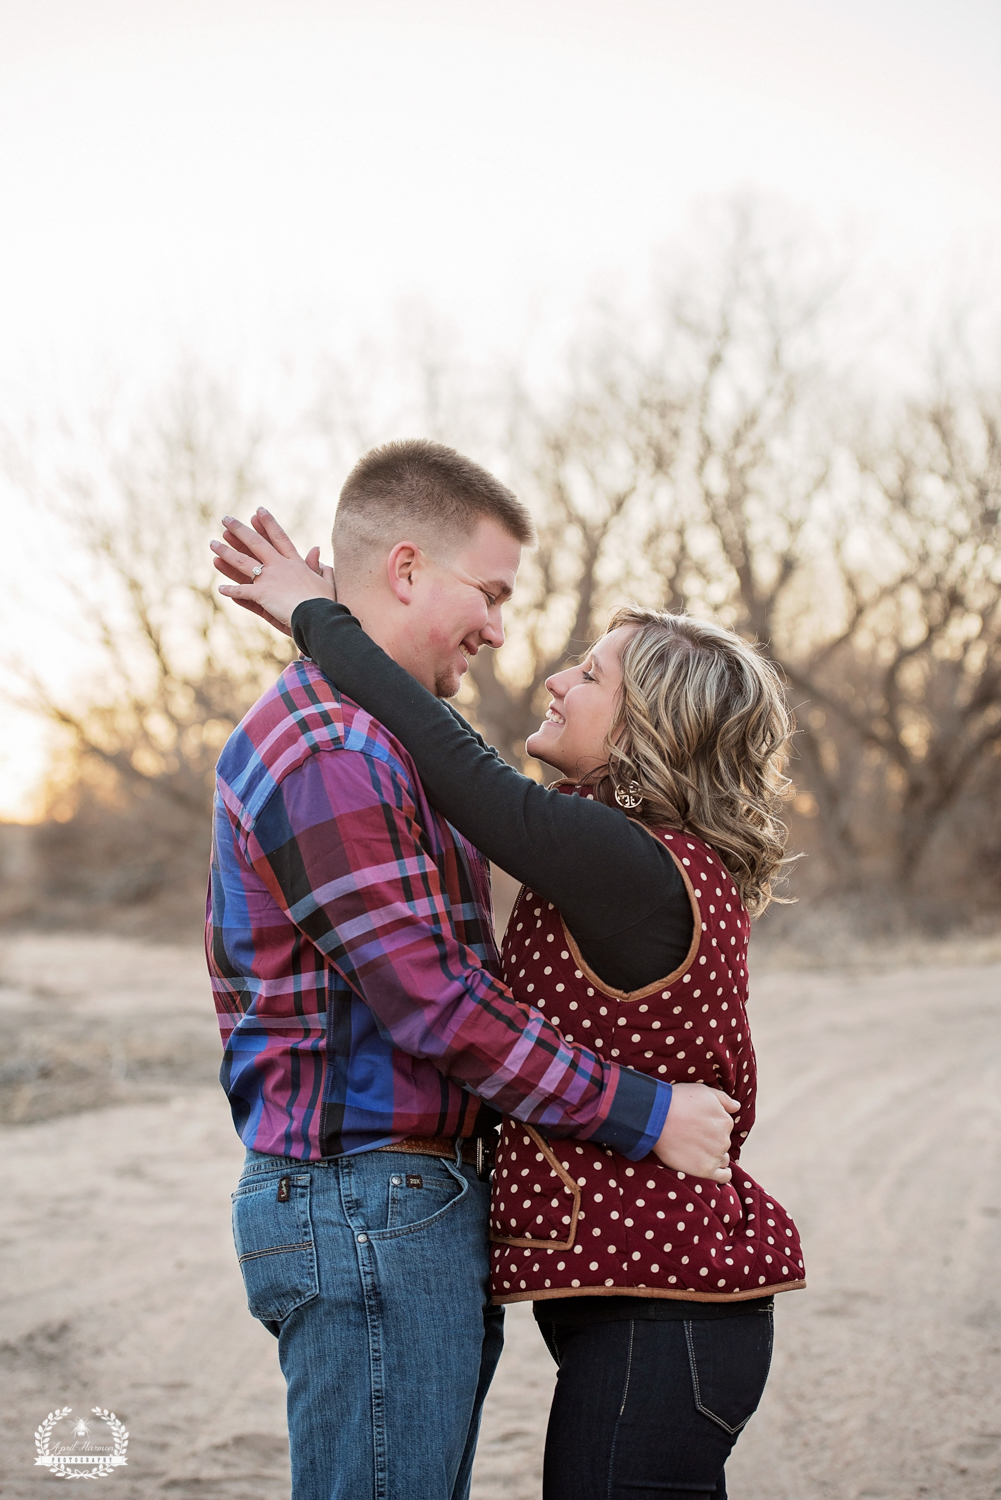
(653, 1290)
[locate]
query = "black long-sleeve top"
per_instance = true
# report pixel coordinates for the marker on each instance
(617, 889)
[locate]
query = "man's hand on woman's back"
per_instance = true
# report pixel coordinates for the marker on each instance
(696, 1134)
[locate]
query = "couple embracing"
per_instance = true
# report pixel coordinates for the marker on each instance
(433, 1128)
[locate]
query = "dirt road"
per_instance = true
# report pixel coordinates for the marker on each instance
(878, 1127)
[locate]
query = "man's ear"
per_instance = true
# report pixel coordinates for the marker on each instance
(401, 565)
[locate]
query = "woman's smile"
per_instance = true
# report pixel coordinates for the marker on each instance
(582, 709)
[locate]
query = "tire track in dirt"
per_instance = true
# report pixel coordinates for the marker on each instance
(879, 1128)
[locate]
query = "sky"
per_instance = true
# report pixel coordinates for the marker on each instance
(237, 178)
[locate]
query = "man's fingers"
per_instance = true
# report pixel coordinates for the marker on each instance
(313, 560)
(731, 1106)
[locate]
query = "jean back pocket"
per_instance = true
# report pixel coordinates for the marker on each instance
(273, 1232)
(729, 1359)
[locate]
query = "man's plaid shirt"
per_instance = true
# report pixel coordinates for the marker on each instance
(350, 944)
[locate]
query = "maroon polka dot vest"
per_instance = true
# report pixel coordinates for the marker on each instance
(570, 1218)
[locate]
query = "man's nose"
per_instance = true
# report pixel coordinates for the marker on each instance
(492, 633)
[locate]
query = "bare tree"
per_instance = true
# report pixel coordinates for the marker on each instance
(915, 677)
(173, 666)
(869, 568)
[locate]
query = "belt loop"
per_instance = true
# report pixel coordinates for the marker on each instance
(458, 1152)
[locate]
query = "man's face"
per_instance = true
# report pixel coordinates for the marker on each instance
(456, 607)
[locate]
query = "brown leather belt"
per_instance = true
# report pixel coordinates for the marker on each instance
(477, 1152)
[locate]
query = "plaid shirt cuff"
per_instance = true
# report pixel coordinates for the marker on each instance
(636, 1115)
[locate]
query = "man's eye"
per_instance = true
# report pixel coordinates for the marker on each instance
(490, 598)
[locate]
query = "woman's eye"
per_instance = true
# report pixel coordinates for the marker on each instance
(587, 676)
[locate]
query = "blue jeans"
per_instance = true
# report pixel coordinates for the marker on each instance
(651, 1408)
(372, 1272)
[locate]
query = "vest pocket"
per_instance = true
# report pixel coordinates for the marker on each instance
(274, 1242)
(535, 1202)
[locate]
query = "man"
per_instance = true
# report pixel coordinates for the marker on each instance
(351, 947)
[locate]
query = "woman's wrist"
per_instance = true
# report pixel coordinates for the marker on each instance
(306, 616)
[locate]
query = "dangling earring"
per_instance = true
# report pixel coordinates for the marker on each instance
(629, 796)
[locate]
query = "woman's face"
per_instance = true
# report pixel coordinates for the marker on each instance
(573, 736)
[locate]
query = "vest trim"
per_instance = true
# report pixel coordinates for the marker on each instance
(628, 996)
(548, 1293)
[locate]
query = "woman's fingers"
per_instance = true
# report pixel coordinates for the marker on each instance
(266, 525)
(236, 565)
(227, 572)
(266, 572)
(232, 540)
(251, 604)
(248, 541)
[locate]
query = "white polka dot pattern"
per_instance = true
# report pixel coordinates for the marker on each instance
(573, 1216)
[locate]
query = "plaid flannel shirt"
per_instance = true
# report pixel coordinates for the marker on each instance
(351, 949)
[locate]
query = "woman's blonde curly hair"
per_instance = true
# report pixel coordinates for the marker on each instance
(703, 731)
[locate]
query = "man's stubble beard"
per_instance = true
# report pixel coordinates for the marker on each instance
(446, 683)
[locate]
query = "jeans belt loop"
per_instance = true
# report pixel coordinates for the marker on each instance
(484, 1158)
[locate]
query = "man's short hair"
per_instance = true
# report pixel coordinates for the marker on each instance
(423, 489)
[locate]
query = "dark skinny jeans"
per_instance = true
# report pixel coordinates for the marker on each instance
(645, 1409)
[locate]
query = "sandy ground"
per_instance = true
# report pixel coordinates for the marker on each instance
(881, 1098)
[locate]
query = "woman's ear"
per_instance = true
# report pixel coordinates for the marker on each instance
(400, 567)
